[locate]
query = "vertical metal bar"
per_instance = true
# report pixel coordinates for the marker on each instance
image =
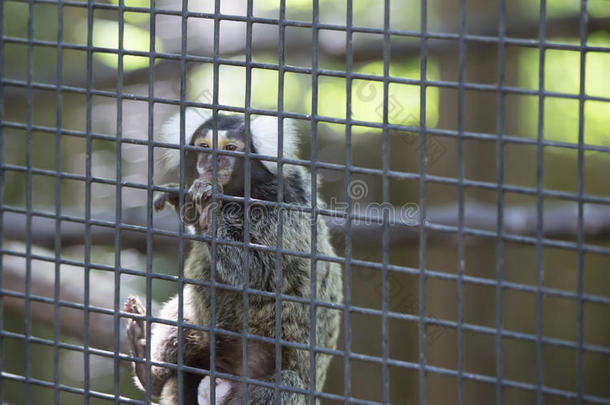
(422, 203)
(581, 190)
(28, 247)
(540, 206)
(214, 243)
(2, 162)
(86, 267)
(314, 201)
(500, 197)
(183, 85)
(149, 192)
(119, 206)
(58, 124)
(385, 242)
(461, 263)
(349, 63)
(280, 199)
(247, 192)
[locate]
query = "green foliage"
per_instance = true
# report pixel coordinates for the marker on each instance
(367, 95)
(562, 75)
(106, 35)
(565, 8)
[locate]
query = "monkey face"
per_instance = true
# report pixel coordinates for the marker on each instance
(229, 167)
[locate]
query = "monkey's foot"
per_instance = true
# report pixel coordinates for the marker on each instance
(223, 387)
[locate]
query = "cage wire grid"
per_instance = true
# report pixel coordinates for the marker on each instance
(347, 355)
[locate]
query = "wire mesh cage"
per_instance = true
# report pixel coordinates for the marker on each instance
(449, 160)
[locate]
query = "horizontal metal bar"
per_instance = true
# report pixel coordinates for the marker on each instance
(563, 195)
(528, 240)
(352, 309)
(399, 128)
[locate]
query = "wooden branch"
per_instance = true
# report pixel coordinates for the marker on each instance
(560, 220)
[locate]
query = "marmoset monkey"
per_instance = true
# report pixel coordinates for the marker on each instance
(295, 270)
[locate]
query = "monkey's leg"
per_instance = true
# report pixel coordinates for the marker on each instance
(171, 391)
(260, 395)
(136, 336)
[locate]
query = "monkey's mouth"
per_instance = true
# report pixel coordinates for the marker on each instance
(224, 176)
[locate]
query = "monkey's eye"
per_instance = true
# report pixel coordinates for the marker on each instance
(230, 147)
(203, 145)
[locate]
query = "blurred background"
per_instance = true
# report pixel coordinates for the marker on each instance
(74, 136)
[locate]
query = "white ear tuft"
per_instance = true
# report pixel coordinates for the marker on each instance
(265, 138)
(170, 132)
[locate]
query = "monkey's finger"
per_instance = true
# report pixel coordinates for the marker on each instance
(129, 305)
(200, 191)
(205, 217)
(203, 192)
(136, 328)
(135, 333)
(207, 191)
(139, 306)
(133, 305)
(136, 337)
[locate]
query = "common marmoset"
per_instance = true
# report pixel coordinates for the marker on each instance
(295, 270)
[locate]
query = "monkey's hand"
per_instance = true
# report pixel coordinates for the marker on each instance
(199, 205)
(223, 388)
(168, 197)
(136, 337)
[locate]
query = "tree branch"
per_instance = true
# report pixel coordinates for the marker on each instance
(332, 48)
(560, 220)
